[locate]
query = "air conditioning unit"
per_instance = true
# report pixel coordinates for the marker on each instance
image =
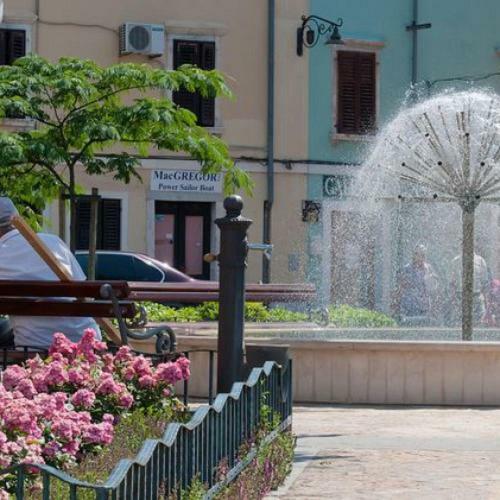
(139, 38)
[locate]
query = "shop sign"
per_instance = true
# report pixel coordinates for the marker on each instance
(185, 181)
(337, 186)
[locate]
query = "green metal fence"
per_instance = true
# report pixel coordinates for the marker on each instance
(165, 466)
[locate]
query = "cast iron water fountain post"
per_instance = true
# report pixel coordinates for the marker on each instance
(468, 206)
(232, 264)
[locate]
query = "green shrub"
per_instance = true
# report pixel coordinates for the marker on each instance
(342, 316)
(209, 311)
(345, 316)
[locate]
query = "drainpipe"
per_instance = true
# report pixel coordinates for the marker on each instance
(414, 58)
(268, 203)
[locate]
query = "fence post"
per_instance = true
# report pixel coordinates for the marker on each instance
(232, 263)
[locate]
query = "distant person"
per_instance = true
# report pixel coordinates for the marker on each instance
(19, 261)
(418, 283)
(481, 288)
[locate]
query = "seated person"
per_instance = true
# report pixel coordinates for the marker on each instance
(19, 261)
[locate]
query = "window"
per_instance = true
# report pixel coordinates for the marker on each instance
(146, 271)
(201, 54)
(356, 92)
(108, 224)
(12, 45)
(115, 267)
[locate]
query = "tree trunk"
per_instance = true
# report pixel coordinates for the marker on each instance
(467, 272)
(72, 210)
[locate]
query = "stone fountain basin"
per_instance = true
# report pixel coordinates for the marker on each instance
(377, 366)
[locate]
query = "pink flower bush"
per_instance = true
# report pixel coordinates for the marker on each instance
(53, 410)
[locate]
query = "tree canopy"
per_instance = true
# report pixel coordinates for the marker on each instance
(102, 120)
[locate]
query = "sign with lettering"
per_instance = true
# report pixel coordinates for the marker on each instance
(337, 186)
(185, 181)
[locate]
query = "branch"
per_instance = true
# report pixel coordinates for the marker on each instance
(80, 153)
(100, 98)
(54, 172)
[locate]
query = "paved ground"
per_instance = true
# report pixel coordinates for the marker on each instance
(395, 452)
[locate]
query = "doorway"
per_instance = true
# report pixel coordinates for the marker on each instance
(353, 259)
(182, 236)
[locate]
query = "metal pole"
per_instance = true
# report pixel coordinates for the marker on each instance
(414, 58)
(94, 207)
(467, 272)
(268, 204)
(232, 263)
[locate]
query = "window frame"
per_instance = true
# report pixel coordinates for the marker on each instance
(27, 28)
(20, 124)
(351, 45)
(218, 128)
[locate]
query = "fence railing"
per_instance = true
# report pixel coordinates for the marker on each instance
(214, 434)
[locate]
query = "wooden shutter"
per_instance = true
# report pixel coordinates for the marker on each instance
(82, 224)
(201, 54)
(207, 105)
(108, 224)
(356, 101)
(366, 89)
(110, 232)
(3, 47)
(17, 45)
(186, 53)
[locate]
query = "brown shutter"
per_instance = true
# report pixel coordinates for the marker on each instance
(186, 53)
(82, 223)
(108, 224)
(17, 45)
(366, 89)
(207, 105)
(3, 47)
(110, 232)
(356, 92)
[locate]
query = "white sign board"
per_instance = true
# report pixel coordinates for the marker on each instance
(185, 181)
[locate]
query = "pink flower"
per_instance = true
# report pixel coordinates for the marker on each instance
(183, 363)
(27, 388)
(124, 354)
(126, 400)
(99, 433)
(12, 375)
(61, 344)
(169, 373)
(83, 398)
(108, 385)
(146, 381)
(141, 366)
(65, 429)
(56, 374)
(76, 376)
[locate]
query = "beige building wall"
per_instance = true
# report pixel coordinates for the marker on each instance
(239, 28)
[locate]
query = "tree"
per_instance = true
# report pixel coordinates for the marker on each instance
(83, 114)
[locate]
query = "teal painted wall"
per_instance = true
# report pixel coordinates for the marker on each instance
(462, 41)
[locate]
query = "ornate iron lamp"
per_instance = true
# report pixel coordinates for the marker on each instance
(309, 33)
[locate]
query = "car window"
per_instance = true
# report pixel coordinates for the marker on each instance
(83, 260)
(146, 271)
(115, 267)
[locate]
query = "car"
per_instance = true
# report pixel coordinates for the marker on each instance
(129, 266)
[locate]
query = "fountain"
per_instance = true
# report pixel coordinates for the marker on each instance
(443, 150)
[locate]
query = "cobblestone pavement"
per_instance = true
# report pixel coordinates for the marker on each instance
(360, 452)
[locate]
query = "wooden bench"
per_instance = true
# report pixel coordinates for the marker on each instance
(98, 299)
(199, 291)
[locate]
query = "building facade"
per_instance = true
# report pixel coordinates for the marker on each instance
(170, 214)
(354, 89)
